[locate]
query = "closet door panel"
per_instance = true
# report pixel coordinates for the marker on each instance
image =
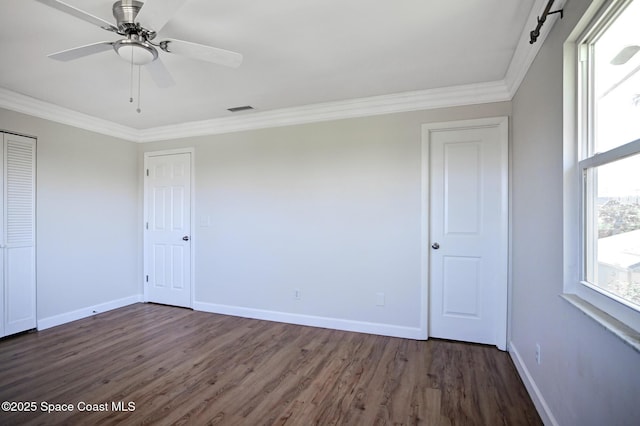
(19, 234)
(20, 308)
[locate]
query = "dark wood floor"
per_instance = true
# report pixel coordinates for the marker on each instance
(186, 367)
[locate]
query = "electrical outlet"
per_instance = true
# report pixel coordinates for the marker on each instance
(538, 353)
(297, 294)
(379, 299)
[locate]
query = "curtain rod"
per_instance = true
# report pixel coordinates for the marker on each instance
(541, 20)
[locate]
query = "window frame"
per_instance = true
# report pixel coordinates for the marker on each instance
(579, 130)
(586, 197)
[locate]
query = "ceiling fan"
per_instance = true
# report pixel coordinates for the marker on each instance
(138, 27)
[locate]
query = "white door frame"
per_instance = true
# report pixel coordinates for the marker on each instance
(145, 243)
(502, 123)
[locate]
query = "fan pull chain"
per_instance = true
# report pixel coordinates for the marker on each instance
(131, 80)
(138, 110)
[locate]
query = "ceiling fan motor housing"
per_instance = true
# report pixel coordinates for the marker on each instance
(125, 12)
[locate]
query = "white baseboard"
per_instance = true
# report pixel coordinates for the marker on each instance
(313, 321)
(538, 400)
(60, 319)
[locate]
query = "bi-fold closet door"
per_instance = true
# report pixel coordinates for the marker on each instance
(17, 234)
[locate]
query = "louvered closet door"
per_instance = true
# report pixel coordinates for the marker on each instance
(19, 234)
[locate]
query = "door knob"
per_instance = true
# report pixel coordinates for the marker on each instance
(435, 246)
(185, 238)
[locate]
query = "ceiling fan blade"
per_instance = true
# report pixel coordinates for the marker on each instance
(201, 52)
(156, 13)
(79, 52)
(160, 74)
(81, 14)
(625, 55)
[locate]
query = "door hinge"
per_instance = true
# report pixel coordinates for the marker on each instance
(147, 172)
(147, 278)
(146, 225)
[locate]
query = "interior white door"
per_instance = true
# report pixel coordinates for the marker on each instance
(18, 233)
(168, 229)
(468, 233)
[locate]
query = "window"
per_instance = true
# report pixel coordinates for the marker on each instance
(608, 154)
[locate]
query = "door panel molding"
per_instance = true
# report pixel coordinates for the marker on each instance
(501, 307)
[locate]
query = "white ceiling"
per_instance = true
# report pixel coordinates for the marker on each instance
(296, 53)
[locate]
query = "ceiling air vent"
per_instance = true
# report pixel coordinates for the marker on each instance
(240, 108)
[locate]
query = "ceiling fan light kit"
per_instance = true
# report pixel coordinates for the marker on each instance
(136, 51)
(137, 47)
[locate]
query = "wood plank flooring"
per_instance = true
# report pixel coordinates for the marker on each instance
(178, 366)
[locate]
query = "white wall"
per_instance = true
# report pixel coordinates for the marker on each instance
(87, 217)
(331, 208)
(587, 376)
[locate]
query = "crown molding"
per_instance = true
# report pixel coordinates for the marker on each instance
(352, 108)
(27, 105)
(525, 53)
(361, 107)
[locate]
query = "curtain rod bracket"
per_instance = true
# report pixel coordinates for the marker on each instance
(541, 20)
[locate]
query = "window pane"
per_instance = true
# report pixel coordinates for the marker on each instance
(615, 258)
(616, 61)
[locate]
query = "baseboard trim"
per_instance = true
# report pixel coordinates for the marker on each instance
(88, 311)
(534, 392)
(313, 321)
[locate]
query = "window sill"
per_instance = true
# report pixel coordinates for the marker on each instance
(623, 331)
